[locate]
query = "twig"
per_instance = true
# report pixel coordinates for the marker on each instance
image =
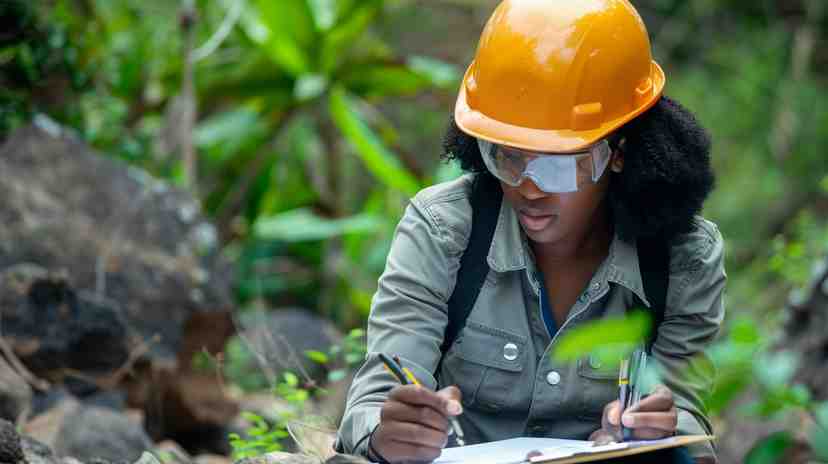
(219, 357)
(188, 19)
(221, 33)
(15, 363)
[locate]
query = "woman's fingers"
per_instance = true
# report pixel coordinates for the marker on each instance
(423, 415)
(415, 395)
(664, 421)
(415, 434)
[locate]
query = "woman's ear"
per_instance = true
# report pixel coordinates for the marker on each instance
(617, 160)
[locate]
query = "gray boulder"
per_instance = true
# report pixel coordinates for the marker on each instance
(93, 432)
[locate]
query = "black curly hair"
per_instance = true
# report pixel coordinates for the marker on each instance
(667, 172)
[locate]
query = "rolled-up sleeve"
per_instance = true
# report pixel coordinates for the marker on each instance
(407, 318)
(694, 314)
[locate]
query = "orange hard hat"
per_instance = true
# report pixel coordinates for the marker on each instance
(558, 75)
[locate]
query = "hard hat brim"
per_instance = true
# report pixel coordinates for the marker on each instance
(479, 125)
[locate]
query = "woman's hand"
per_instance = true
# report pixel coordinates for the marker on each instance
(414, 423)
(654, 417)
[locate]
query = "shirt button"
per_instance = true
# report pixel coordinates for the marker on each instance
(596, 286)
(553, 378)
(510, 351)
(595, 363)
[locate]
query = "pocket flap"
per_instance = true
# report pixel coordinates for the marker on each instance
(492, 347)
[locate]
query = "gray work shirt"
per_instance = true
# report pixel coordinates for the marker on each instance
(502, 361)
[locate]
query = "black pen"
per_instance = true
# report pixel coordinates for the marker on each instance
(406, 377)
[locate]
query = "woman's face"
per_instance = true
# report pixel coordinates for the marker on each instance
(551, 217)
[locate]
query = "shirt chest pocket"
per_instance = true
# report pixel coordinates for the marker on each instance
(488, 365)
(598, 386)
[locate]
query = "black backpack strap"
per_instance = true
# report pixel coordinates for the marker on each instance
(486, 197)
(654, 265)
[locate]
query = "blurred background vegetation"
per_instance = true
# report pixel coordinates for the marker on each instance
(304, 125)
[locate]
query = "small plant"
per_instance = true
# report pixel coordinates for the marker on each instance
(264, 437)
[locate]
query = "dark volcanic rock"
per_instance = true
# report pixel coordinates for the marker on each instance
(116, 245)
(11, 450)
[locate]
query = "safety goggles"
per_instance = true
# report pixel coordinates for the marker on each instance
(551, 172)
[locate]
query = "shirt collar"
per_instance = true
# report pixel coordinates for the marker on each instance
(510, 251)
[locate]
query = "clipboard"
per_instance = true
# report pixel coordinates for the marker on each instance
(556, 451)
(637, 448)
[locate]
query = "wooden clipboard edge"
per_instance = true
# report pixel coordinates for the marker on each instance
(681, 440)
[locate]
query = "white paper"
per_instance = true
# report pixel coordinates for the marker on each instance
(514, 450)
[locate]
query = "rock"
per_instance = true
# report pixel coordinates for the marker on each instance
(195, 413)
(147, 458)
(37, 452)
(112, 242)
(171, 452)
(51, 328)
(289, 458)
(95, 432)
(11, 451)
(46, 426)
(103, 267)
(212, 459)
(15, 393)
(281, 337)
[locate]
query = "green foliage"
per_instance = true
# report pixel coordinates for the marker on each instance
(262, 436)
(771, 449)
(609, 339)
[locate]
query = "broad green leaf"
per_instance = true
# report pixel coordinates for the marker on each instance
(351, 23)
(229, 126)
(337, 375)
(610, 339)
(301, 225)
(441, 74)
(324, 13)
(375, 156)
(770, 450)
(285, 30)
(291, 379)
(776, 369)
(372, 80)
(819, 435)
(310, 86)
(317, 356)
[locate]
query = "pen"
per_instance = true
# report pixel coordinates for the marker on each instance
(405, 377)
(635, 378)
(623, 392)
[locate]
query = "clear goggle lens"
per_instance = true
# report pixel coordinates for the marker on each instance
(551, 172)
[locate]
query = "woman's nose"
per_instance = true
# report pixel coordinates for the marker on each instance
(529, 190)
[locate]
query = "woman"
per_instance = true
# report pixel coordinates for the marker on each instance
(561, 111)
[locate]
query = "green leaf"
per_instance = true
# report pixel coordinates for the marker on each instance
(374, 155)
(441, 74)
(310, 86)
(285, 30)
(609, 339)
(819, 435)
(371, 80)
(291, 379)
(770, 449)
(301, 225)
(317, 356)
(351, 23)
(337, 375)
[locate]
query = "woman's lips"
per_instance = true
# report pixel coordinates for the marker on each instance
(536, 222)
